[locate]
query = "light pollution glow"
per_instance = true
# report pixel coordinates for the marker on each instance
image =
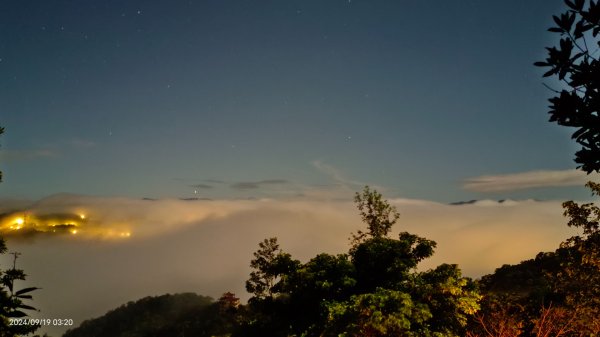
(33, 224)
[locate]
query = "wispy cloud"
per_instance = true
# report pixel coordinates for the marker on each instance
(337, 175)
(527, 180)
(21, 155)
(47, 151)
(251, 185)
(215, 181)
(201, 186)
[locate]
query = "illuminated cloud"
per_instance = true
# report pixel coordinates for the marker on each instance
(106, 218)
(480, 235)
(527, 180)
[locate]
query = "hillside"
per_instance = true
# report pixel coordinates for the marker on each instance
(185, 314)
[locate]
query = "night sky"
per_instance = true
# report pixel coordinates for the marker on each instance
(242, 99)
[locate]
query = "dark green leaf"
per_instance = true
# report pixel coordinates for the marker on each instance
(576, 56)
(571, 4)
(570, 21)
(26, 307)
(557, 20)
(16, 314)
(26, 290)
(550, 72)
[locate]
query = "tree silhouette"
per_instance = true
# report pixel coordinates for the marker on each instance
(575, 62)
(578, 280)
(376, 212)
(11, 300)
(374, 290)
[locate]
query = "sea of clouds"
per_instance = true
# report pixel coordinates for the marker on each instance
(205, 246)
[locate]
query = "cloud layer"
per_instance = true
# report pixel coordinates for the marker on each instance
(527, 180)
(206, 246)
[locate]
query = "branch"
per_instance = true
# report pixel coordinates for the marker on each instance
(551, 89)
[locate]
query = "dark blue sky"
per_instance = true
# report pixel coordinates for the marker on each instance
(274, 98)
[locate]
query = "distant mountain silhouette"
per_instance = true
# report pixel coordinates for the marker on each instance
(458, 203)
(475, 201)
(186, 314)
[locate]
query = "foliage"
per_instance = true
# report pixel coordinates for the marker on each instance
(555, 294)
(12, 301)
(385, 262)
(497, 319)
(585, 216)
(263, 277)
(578, 280)
(575, 63)
(382, 313)
(374, 290)
(323, 279)
(376, 212)
(269, 263)
(451, 298)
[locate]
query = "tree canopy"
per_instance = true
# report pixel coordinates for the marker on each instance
(373, 290)
(376, 212)
(555, 294)
(574, 61)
